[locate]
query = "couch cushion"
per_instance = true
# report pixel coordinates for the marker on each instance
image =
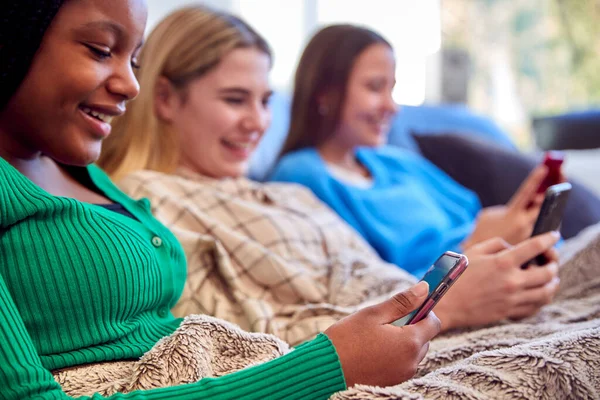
(439, 119)
(495, 173)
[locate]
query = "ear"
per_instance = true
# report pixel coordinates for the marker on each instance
(166, 99)
(326, 101)
(323, 100)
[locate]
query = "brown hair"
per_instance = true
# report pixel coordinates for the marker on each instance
(322, 74)
(184, 46)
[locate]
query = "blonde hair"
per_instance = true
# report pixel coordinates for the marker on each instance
(184, 46)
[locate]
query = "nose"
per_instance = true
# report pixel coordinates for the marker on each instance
(258, 119)
(390, 105)
(123, 83)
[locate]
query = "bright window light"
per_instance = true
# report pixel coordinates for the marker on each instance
(282, 24)
(412, 27)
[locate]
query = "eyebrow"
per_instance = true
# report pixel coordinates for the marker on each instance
(117, 29)
(110, 26)
(239, 90)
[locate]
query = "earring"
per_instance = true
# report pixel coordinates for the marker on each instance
(323, 109)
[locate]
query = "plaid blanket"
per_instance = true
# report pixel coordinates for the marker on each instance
(268, 257)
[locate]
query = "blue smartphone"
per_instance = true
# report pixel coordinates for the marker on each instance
(440, 277)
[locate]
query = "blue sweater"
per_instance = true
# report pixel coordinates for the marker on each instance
(411, 214)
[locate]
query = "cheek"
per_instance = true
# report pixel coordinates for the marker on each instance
(362, 104)
(370, 102)
(201, 130)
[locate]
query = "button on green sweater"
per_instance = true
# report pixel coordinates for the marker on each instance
(82, 284)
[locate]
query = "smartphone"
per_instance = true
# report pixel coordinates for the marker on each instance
(440, 276)
(550, 215)
(553, 160)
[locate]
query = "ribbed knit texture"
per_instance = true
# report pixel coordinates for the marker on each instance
(82, 284)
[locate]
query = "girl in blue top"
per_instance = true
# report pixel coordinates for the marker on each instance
(405, 207)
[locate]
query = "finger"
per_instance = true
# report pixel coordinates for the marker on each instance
(527, 191)
(535, 276)
(422, 353)
(539, 296)
(562, 178)
(400, 304)
(552, 255)
(523, 311)
(533, 212)
(539, 198)
(534, 206)
(487, 247)
(428, 328)
(530, 248)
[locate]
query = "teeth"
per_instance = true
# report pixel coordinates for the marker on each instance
(239, 145)
(102, 117)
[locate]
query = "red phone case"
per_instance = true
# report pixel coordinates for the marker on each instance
(553, 160)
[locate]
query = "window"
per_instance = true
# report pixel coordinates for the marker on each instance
(412, 27)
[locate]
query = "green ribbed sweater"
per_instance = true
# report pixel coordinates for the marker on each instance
(81, 284)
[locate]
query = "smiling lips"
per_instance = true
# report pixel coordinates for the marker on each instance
(240, 149)
(381, 125)
(102, 117)
(99, 118)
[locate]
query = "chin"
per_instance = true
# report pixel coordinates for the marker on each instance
(382, 142)
(241, 168)
(373, 142)
(380, 139)
(237, 172)
(80, 157)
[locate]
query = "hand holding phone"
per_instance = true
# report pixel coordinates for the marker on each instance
(440, 277)
(550, 216)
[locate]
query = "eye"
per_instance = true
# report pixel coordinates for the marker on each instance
(234, 100)
(376, 86)
(134, 64)
(99, 53)
(266, 101)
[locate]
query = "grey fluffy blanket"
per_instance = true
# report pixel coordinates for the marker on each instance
(554, 355)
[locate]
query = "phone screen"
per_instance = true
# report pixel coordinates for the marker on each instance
(440, 276)
(438, 271)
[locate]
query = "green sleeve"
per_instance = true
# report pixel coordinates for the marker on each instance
(311, 371)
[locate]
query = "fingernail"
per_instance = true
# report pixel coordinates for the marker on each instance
(420, 289)
(556, 234)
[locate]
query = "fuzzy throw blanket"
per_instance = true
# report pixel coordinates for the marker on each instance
(246, 267)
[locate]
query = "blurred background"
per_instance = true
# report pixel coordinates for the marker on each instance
(530, 66)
